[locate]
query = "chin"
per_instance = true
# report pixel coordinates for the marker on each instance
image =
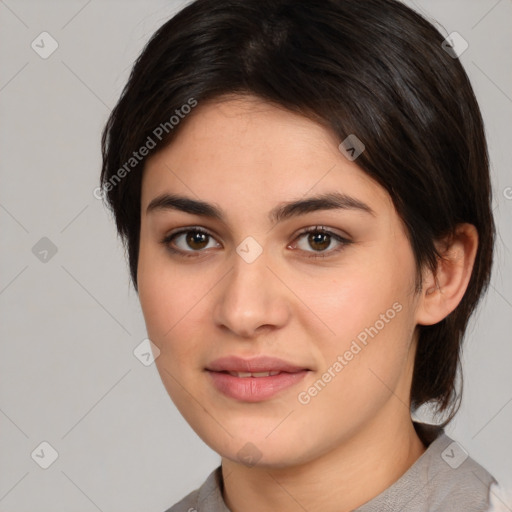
(276, 451)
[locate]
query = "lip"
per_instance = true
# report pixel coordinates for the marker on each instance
(253, 365)
(254, 389)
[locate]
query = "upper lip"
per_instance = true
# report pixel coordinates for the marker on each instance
(253, 365)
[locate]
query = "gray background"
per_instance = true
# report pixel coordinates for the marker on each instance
(70, 323)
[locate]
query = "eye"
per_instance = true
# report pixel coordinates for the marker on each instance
(190, 240)
(320, 239)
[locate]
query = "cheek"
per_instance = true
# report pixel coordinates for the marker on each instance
(169, 298)
(161, 294)
(368, 309)
(172, 299)
(159, 285)
(353, 297)
(364, 365)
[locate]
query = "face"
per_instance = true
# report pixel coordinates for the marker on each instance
(321, 293)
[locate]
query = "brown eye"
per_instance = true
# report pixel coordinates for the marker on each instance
(188, 241)
(196, 239)
(319, 240)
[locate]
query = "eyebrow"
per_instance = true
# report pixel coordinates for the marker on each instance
(284, 211)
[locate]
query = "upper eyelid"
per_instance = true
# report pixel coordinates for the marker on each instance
(181, 231)
(303, 231)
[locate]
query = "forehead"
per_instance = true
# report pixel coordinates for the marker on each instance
(246, 150)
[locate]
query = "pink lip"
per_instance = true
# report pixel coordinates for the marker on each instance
(253, 389)
(253, 365)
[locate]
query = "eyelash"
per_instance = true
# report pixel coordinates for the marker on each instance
(317, 229)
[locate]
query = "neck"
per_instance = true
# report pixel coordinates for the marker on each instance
(341, 480)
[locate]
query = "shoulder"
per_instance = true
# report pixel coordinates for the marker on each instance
(207, 498)
(187, 504)
(451, 478)
(444, 478)
(500, 498)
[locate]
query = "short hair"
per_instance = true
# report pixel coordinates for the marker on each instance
(372, 68)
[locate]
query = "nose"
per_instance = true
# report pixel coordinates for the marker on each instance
(251, 299)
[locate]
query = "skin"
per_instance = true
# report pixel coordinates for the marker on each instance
(355, 437)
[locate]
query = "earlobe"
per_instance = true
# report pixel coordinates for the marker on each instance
(442, 292)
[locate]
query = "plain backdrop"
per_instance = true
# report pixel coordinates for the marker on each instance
(70, 320)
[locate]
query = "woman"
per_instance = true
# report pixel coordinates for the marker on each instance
(303, 190)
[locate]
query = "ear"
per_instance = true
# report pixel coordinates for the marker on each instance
(441, 293)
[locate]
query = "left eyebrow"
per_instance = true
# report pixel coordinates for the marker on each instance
(284, 211)
(327, 201)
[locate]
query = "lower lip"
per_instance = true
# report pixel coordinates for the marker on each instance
(254, 389)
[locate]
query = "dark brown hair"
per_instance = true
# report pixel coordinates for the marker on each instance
(373, 68)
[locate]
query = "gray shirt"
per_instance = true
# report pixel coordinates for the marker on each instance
(443, 479)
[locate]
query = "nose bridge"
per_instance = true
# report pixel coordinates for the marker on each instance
(251, 296)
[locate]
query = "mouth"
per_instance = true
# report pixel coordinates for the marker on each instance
(254, 366)
(256, 379)
(244, 375)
